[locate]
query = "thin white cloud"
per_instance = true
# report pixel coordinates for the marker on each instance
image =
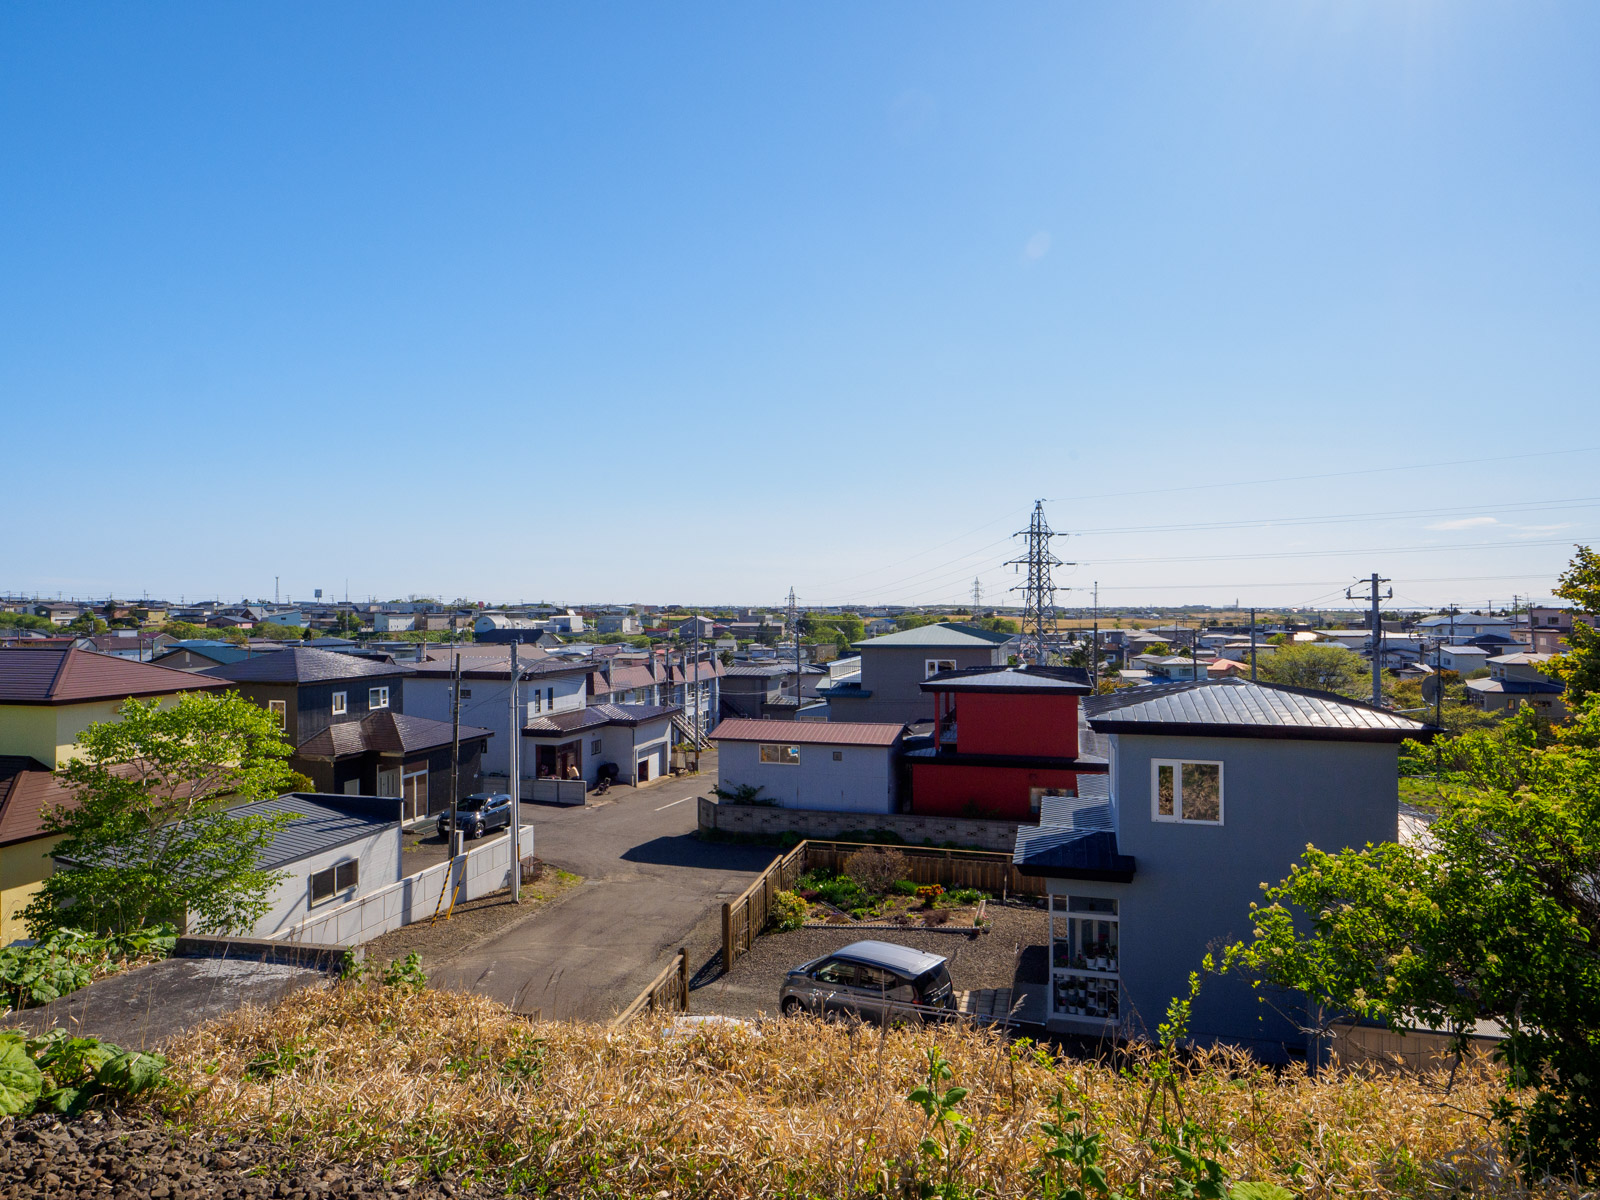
(1465, 523)
(1038, 246)
(1538, 530)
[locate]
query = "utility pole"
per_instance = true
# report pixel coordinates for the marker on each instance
(1094, 646)
(977, 599)
(455, 754)
(1252, 645)
(793, 616)
(274, 589)
(697, 730)
(1377, 634)
(514, 830)
(1039, 593)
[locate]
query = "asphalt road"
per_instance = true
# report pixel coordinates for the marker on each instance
(648, 882)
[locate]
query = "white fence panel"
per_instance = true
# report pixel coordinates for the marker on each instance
(479, 872)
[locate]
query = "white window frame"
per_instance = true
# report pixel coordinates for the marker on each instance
(341, 703)
(1177, 817)
(787, 756)
(936, 666)
(377, 698)
(281, 707)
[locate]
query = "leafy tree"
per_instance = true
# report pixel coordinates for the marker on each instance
(1495, 917)
(185, 631)
(282, 633)
(1579, 667)
(87, 624)
(347, 624)
(726, 657)
(151, 836)
(26, 621)
(1320, 668)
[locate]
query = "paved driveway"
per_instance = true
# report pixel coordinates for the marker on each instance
(648, 883)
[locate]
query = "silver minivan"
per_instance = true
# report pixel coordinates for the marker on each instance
(871, 981)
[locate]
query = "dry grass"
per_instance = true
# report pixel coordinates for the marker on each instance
(450, 1083)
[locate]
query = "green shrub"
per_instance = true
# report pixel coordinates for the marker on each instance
(838, 890)
(70, 959)
(58, 1073)
(788, 912)
(903, 887)
(965, 896)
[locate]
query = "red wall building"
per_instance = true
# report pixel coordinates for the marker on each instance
(1002, 739)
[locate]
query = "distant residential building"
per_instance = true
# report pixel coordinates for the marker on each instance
(1003, 738)
(617, 623)
(394, 622)
(1462, 627)
(894, 667)
(345, 717)
(838, 767)
(1515, 680)
(1550, 627)
(1462, 658)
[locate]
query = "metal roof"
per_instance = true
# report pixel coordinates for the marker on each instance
(1013, 681)
(27, 786)
(319, 823)
(301, 664)
(902, 959)
(944, 637)
(1517, 687)
(385, 731)
(73, 676)
(596, 716)
(1076, 837)
(807, 733)
(1239, 708)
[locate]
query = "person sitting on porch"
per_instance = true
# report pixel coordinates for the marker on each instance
(572, 773)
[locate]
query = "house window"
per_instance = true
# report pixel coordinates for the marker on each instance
(550, 698)
(537, 706)
(934, 666)
(341, 704)
(788, 756)
(1189, 792)
(279, 709)
(1085, 958)
(838, 756)
(594, 746)
(378, 698)
(334, 881)
(466, 693)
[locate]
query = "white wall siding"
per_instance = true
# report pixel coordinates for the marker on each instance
(860, 780)
(290, 900)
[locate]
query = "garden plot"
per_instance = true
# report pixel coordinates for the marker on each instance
(873, 892)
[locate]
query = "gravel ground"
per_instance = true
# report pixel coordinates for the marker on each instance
(1011, 954)
(471, 922)
(103, 1155)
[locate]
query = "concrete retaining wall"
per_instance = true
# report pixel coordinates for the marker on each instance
(756, 819)
(479, 872)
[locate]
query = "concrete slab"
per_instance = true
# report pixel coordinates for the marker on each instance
(147, 1007)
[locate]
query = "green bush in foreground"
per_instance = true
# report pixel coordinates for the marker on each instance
(68, 1075)
(69, 959)
(788, 911)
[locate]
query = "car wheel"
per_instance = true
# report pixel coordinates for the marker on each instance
(792, 1007)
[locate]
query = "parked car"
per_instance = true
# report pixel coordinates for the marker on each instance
(478, 813)
(871, 980)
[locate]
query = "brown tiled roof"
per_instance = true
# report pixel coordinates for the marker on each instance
(75, 676)
(385, 731)
(27, 788)
(807, 733)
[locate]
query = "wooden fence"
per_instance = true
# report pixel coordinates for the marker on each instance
(986, 870)
(989, 871)
(667, 992)
(744, 919)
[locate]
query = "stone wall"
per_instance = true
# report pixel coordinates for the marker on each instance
(724, 816)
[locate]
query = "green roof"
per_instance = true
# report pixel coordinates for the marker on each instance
(940, 636)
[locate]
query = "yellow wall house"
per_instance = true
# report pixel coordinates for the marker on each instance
(48, 697)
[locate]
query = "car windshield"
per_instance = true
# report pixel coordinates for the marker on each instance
(473, 803)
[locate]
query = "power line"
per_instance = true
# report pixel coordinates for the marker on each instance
(1340, 518)
(1334, 553)
(1200, 487)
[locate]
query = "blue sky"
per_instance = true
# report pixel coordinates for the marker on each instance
(698, 302)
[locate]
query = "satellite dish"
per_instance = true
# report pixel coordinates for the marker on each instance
(1431, 687)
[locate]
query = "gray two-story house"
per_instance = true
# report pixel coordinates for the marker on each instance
(894, 667)
(345, 718)
(1215, 787)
